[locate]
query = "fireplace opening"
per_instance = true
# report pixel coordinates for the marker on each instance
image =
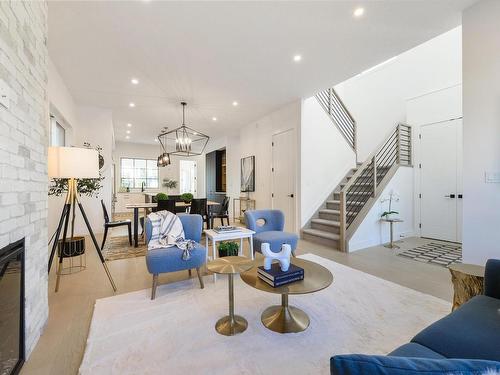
(12, 308)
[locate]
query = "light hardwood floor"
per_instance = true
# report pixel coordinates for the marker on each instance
(61, 347)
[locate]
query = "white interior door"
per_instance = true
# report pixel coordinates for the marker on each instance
(283, 172)
(187, 173)
(441, 180)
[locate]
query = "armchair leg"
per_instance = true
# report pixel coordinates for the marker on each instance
(200, 278)
(153, 289)
(189, 272)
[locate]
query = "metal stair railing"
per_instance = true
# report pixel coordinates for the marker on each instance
(364, 186)
(339, 114)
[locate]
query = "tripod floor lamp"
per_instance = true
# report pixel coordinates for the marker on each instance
(73, 163)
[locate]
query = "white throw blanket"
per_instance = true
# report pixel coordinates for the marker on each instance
(167, 231)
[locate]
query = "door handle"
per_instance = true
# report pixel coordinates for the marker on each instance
(290, 195)
(460, 196)
(452, 196)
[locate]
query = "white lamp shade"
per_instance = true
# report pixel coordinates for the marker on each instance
(73, 162)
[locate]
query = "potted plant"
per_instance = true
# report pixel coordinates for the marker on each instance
(387, 215)
(228, 248)
(161, 197)
(187, 197)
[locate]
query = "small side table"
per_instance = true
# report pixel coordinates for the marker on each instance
(214, 236)
(231, 324)
(391, 244)
(468, 281)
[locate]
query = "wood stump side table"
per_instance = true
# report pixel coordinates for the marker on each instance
(468, 281)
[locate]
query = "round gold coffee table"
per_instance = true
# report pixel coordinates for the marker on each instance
(231, 324)
(285, 318)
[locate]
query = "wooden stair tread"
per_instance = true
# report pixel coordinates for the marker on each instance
(331, 223)
(322, 234)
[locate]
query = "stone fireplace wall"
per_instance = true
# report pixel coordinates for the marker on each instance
(23, 149)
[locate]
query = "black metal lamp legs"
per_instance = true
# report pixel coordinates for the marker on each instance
(71, 200)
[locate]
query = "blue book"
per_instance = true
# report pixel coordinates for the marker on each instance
(281, 282)
(275, 273)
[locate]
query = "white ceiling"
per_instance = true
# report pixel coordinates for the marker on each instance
(211, 53)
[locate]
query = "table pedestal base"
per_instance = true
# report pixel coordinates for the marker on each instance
(230, 326)
(284, 318)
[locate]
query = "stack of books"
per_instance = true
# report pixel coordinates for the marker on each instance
(276, 277)
(227, 229)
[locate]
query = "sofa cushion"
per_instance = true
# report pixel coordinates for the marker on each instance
(471, 331)
(357, 364)
(275, 239)
(414, 350)
(170, 259)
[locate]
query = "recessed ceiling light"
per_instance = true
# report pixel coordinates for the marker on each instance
(131, 105)
(128, 131)
(156, 139)
(297, 58)
(214, 118)
(127, 137)
(235, 103)
(129, 125)
(358, 12)
(134, 81)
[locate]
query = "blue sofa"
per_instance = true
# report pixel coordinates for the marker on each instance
(170, 259)
(467, 341)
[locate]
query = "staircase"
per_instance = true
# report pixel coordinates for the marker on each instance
(344, 210)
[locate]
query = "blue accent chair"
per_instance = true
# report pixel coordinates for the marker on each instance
(170, 259)
(467, 341)
(271, 231)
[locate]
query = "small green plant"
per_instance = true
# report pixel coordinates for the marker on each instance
(387, 213)
(161, 197)
(169, 184)
(187, 197)
(228, 248)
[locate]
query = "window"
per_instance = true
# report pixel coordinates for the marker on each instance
(57, 133)
(135, 172)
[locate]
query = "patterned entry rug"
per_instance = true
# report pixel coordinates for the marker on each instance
(443, 254)
(119, 248)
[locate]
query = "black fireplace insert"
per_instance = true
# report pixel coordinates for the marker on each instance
(12, 308)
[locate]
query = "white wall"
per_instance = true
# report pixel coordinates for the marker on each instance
(61, 102)
(325, 158)
(481, 101)
(256, 139)
(377, 99)
(172, 171)
(372, 232)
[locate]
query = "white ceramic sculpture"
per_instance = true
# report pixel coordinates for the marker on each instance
(283, 256)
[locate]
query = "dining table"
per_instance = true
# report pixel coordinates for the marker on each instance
(146, 206)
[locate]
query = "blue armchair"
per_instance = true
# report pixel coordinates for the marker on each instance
(170, 259)
(270, 231)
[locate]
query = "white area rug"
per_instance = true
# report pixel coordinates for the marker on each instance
(358, 313)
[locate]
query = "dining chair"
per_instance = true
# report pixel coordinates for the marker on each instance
(199, 207)
(222, 214)
(165, 205)
(113, 224)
